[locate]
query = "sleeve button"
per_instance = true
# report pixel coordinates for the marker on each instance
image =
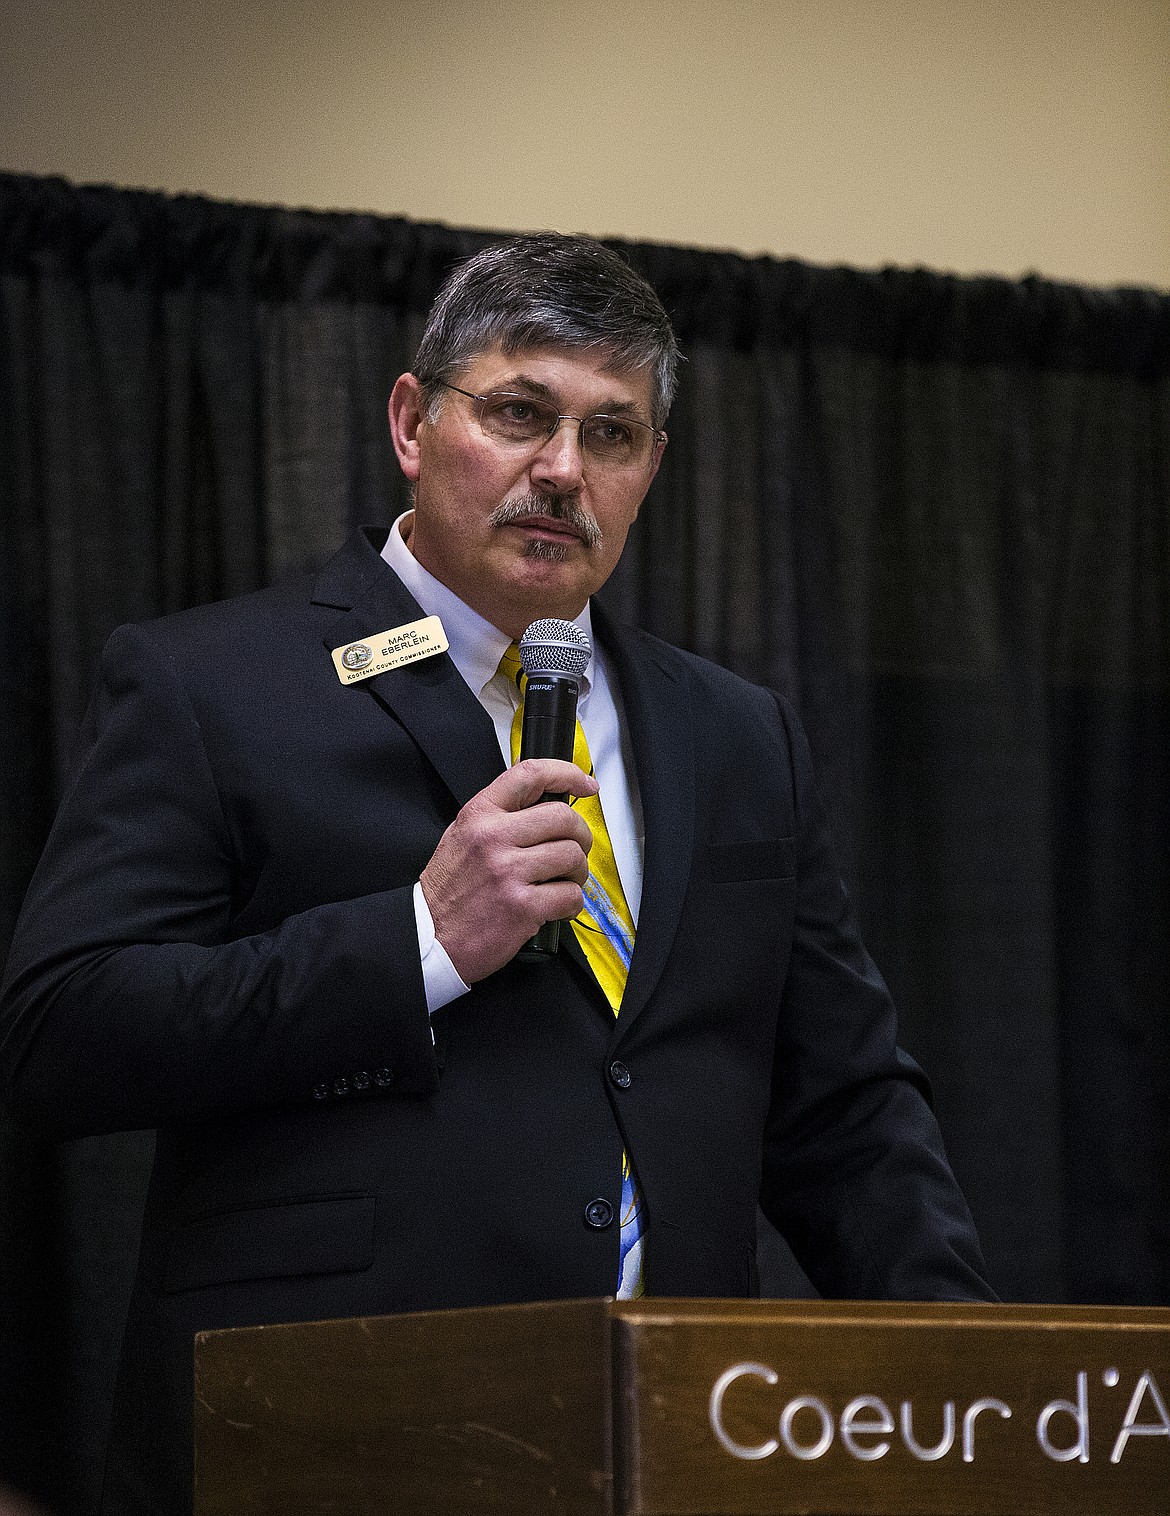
(383, 1077)
(320, 1092)
(341, 1086)
(361, 1080)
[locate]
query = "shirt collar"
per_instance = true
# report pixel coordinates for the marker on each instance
(476, 646)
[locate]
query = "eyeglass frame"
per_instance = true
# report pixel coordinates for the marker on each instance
(656, 432)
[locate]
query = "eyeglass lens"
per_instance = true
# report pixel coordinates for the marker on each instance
(610, 440)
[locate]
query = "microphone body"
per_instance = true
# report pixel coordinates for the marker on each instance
(554, 655)
(550, 725)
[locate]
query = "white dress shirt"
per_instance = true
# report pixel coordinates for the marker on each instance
(475, 648)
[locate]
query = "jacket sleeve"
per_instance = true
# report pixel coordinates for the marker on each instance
(855, 1175)
(128, 1002)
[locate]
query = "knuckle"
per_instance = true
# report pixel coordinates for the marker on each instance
(473, 809)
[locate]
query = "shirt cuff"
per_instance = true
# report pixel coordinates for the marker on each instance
(441, 979)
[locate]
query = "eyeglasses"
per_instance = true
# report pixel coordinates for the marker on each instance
(617, 442)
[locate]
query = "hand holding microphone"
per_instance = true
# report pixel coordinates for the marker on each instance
(508, 865)
(554, 656)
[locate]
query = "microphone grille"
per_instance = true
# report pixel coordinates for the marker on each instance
(554, 647)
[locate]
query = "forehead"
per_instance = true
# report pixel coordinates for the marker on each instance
(568, 376)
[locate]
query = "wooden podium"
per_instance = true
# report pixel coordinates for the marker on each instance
(690, 1408)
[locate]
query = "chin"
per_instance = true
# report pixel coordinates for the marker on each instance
(544, 551)
(547, 590)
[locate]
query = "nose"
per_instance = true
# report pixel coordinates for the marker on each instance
(558, 466)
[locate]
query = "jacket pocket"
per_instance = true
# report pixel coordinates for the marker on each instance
(332, 1235)
(767, 858)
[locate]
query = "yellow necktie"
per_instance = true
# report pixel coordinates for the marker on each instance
(605, 930)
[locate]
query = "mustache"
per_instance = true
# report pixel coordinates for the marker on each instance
(556, 507)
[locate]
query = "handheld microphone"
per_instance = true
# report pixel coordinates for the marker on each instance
(554, 654)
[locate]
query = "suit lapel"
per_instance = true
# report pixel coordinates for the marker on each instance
(429, 698)
(658, 712)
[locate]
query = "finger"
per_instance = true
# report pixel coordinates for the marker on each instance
(551, 822)
(524, 783)
(555, 860)
(558, 900)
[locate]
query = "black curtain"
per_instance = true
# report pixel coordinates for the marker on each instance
(934, 511)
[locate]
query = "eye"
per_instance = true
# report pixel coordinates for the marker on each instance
(515, 418)
(608, 434)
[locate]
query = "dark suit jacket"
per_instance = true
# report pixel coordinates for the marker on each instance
(220, 943)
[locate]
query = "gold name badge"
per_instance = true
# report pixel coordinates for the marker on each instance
(389, 650)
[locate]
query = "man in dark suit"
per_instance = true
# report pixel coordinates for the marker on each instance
(279, 915)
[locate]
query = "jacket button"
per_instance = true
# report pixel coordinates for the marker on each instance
(383, 1077)
(320, 1092)
(361, 1080)
(620, 1075)
(341, 1086)
(599, 1214)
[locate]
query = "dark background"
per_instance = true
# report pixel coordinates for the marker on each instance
(934, 511)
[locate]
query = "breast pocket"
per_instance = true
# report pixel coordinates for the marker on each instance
(327, 1235)
(762, 858)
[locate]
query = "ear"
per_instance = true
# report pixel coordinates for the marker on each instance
(407, 414)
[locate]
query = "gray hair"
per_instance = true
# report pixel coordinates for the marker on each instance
(548, 290)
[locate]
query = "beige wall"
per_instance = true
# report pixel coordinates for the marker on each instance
(975, 135)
